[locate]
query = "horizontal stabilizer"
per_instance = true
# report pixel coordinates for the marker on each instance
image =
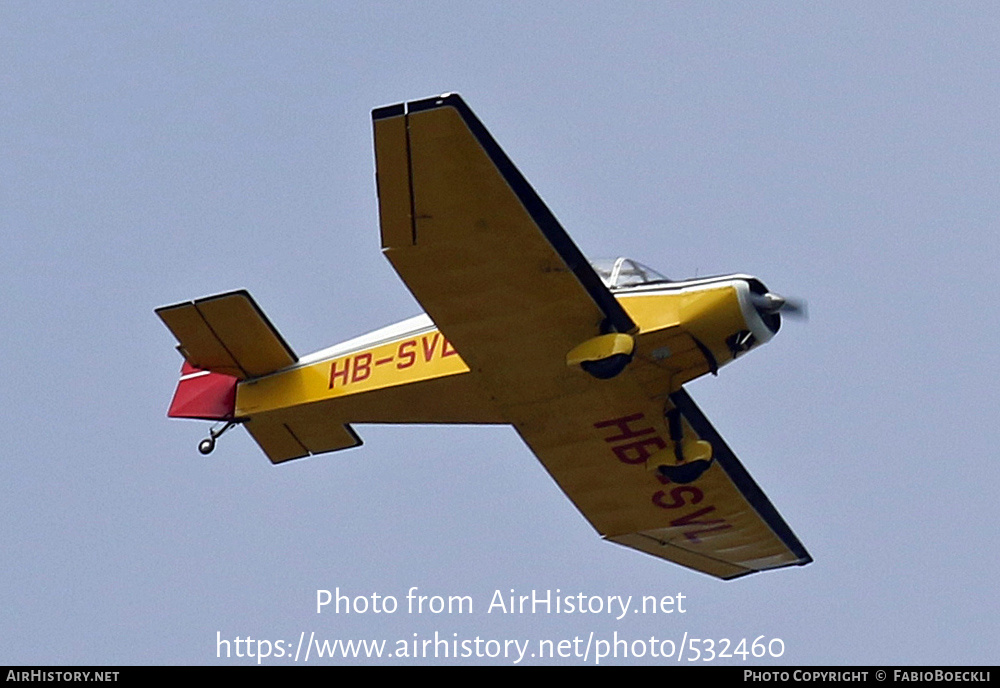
(229, 334)
(287, 436)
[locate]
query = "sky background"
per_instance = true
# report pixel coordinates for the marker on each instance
(846, 153)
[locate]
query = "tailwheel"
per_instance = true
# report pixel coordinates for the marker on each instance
(604, 356)
(207, 445)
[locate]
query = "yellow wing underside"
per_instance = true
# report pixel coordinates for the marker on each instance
(502, 281)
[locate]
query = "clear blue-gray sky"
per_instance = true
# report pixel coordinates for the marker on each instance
(150, 153)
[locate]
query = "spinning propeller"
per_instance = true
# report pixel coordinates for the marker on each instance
(775, 304)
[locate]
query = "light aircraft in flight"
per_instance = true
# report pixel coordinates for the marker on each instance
(586, 361)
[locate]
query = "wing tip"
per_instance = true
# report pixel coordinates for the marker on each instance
(251, 347)
(194, 302)
(387, 111)
(430, 103)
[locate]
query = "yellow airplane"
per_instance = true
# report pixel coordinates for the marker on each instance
(587, 362)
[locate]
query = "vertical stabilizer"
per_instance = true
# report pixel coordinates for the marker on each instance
(203, 394)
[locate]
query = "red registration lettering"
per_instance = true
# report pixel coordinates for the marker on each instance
(690, 519)
(429, 350)
(634, 442)
(638, 452)
(407, 354)
(622, 424)
(342, 374)
(630, 427)
(677, 498)
(362, 367)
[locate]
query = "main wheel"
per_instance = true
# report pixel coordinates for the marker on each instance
(603, 356)
(206, 446)
(684, 473)
(607, 368)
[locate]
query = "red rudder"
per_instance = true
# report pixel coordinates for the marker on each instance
(203, 394)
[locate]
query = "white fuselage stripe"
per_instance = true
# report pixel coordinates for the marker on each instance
(422, 323)
(195, 374)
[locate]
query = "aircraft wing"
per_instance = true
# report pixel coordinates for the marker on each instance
(503, 281)
(479, 249)
(723, 523)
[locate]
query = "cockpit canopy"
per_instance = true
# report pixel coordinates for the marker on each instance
(618, 273)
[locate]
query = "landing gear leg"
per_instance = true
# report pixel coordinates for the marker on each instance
(207, 445)
(688, 468)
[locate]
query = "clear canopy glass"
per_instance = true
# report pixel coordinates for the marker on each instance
(617, 273)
